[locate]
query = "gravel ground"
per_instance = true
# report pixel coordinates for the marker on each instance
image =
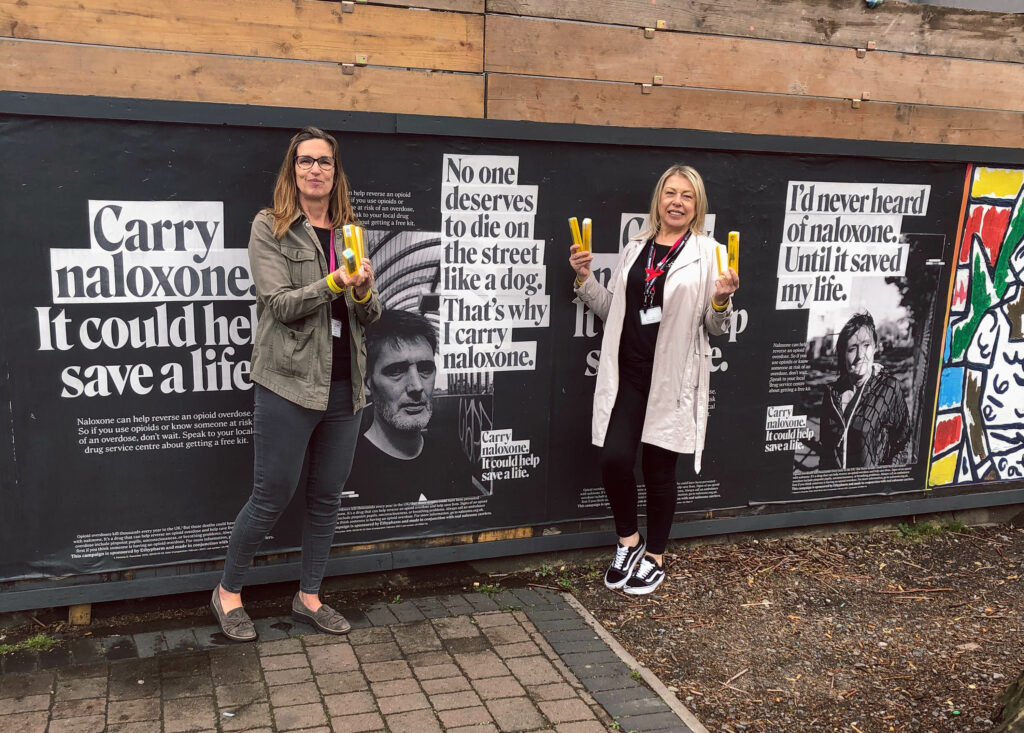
(915, 629)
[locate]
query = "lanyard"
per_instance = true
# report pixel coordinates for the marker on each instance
(654, 272)
(333, 267)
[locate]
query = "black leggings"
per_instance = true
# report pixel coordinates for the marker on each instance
(618, 458)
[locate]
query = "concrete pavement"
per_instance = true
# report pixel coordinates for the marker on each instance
(520, 660)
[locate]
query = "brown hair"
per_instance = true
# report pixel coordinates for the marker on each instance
(700, 207)
(286, 193)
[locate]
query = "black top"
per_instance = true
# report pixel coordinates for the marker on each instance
(341, 359)
(636, 345)
(440, 471)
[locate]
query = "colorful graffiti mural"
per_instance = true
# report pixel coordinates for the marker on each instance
(979, 420)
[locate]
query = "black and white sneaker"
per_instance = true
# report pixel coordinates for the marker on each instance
(647, 577)
(622, 565)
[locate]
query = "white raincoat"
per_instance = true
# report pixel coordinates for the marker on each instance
(677, 408)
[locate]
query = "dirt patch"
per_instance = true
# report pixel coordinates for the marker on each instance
(913, 630)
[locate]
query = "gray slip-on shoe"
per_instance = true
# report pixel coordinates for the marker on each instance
(325, 618)
(235, 624)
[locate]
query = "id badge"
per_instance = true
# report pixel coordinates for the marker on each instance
(649, 316)
(336, 328)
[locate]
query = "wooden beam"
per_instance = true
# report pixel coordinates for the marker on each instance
(513, 533)
(615, 53)
(457, 6)
(58, 68)
(894, 26)
(289, 29)
(609, 103)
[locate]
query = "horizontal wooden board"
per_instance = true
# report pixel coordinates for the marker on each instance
(291, 29)
(458, 6)
(539, 99)
(893, 26)
(60, 68)
(543, 47)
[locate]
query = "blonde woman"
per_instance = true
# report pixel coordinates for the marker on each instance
(664, 298)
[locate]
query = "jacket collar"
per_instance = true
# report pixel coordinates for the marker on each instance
(300, 214)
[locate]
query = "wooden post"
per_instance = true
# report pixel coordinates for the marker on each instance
(1011, 717)
(80, 615)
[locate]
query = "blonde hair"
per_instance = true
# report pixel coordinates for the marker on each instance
(700, 208)
(286, 193)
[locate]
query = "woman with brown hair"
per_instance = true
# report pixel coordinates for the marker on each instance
(308, 370)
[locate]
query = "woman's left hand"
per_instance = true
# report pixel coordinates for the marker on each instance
(362, 281)
(725, 285)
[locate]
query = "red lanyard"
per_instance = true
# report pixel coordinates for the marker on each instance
(653, 273)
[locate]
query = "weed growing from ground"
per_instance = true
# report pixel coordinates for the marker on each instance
(927, 529)
(39, 643)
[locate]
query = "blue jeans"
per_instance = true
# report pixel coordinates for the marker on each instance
(282, 433)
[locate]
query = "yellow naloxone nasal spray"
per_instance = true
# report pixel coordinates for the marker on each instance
(352, 233)
(346, 232)
(588, 230)
(734, 251)
(574, 227)
(348, 257)
(360, 246)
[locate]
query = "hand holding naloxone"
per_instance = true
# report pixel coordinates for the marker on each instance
(580, 252)
(728, 281)
(355, 266)
(667, 293)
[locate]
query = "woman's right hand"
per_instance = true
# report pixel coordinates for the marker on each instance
(580, 262)
(344, 280)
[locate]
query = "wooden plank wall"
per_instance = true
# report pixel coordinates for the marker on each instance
(288, 53)
(819, 68)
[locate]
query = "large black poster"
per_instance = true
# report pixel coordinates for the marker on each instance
(126, 319)
(822, 241)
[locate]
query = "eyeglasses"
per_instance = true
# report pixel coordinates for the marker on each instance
(305, 162)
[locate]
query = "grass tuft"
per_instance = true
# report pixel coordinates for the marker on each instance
(928, 529)
(39, 643)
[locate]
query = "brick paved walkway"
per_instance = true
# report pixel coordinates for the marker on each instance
(522, 661)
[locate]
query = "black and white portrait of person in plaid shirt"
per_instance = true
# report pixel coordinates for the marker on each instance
(864, 416)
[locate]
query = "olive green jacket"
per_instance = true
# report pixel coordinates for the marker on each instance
(291, 354)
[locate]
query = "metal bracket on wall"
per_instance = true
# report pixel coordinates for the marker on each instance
(645, 88)
(648, 33)
(348, 69)
(855, 103)
(347, 6)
